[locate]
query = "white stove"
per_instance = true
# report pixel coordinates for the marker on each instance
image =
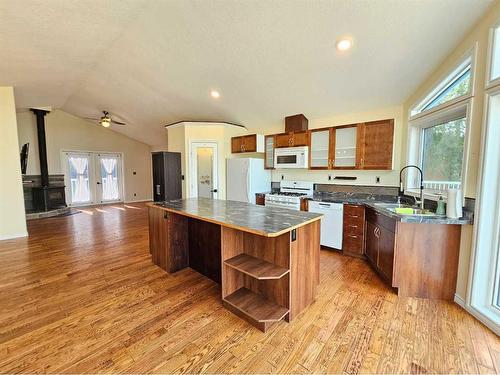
(291, 192)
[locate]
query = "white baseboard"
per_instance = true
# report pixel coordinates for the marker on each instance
(12, 236)
(139, 201)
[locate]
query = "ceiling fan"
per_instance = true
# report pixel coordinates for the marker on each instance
(106, 120)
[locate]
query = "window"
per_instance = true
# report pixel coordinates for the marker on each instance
(454, 86)
(437, 140)
(442, 153)
(495, 55)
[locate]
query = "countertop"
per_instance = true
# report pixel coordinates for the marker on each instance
(261, 220)
(371, 202)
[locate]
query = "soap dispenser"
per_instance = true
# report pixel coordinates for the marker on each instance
(440, 210)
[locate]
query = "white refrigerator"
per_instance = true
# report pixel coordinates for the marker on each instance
(245, 177)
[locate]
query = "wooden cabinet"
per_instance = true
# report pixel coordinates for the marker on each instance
(296, 123)
(354, 230)
(380, 242)
(345, 147)
(247, 143)
(167, 176)
(260, 199)
(269, 141)
(292, 139)
(168, 239)
(376, 144)
(320, 151)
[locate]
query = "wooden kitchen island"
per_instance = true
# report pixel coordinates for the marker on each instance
(265, 259)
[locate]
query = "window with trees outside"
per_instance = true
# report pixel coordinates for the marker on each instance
(438, 130)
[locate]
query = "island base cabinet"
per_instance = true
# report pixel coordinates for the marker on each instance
(168, 239)
(265, 280)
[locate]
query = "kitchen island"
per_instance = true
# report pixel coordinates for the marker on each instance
(265, 259)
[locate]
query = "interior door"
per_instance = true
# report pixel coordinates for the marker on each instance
(79, 176)
(109, 177)
(204, 172)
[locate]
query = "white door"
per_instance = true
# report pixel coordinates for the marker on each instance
(203, 174)
(79, 178)
(109, 175)
(92, 178)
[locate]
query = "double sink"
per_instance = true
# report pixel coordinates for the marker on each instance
(404, 209)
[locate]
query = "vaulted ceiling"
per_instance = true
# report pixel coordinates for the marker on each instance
(155, 62)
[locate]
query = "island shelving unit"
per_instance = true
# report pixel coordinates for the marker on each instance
(265, 259)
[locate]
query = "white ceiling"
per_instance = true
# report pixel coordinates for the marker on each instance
(154, 62)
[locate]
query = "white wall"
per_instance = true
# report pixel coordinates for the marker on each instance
(12, 215)
(71, 133)
(387, 178)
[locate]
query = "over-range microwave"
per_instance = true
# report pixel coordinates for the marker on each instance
(291, 157)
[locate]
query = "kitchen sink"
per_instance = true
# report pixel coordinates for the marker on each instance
(412, 211)
(391, 205)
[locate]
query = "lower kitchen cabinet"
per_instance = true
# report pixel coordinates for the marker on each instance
(353, 230)
(380, 241)
(420, 260)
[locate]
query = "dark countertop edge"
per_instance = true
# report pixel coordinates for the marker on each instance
(421, 219)
(234, 226)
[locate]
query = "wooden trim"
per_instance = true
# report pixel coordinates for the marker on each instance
(243, 229)
(208, 122)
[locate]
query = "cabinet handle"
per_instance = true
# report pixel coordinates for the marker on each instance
(352, 235)
(353, 226)
(376, 232)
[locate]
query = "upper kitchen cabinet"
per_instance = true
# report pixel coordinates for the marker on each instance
(247, 143)
(269, 141)
(375, 144)
(294, 139)
(296, 123)
(320, 155)
(345, 146)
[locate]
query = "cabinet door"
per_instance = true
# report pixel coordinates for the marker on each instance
(386, 252)
(371, 243)
(236, 145)
(299, 139)
(319, 153)
(249, 143)
(283, 140)
(377, 144)
(269, 152)
(345, 147)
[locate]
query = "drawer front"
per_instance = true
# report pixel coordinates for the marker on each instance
(354, 211)
(353, 228)
(381, 220)
(353, 243)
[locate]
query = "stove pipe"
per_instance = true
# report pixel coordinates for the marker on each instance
(42, 145)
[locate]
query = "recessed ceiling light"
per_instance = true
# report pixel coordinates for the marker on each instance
(215, 94)
(344, 44)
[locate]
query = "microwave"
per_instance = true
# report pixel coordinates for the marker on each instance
(291, 157)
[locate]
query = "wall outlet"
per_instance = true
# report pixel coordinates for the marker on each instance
(134, 172)
(135, 195)
(377, 179)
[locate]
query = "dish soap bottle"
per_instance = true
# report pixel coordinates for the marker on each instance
(440, 210)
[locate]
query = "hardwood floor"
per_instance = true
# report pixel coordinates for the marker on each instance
(81, 295)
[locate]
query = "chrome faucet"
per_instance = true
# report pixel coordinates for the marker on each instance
(401, 191)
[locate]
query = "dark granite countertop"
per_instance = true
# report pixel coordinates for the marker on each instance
(261, 220)
(370, 201)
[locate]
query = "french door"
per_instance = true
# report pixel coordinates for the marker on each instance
(92, 178)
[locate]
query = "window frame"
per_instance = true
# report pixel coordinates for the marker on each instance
(476, 306)
(469, 58)
(415, 145)
(490, 83)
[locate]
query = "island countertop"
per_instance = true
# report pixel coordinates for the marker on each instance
(261, 220)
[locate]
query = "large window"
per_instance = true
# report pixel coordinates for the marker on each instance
(438, 132)
(495, 55)
(442, 153)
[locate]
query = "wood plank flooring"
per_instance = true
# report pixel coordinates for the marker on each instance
(80, 295)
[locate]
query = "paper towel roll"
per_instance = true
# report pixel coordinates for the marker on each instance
(454, 204)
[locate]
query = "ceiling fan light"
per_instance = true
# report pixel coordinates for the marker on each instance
(106, 122)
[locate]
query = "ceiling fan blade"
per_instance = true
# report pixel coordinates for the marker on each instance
(117, 122)
(91, 118)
